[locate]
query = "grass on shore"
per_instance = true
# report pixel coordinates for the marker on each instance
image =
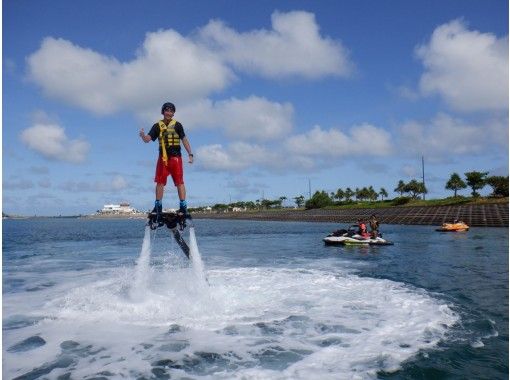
(451, 201)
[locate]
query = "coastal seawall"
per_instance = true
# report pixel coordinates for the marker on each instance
(475, 215)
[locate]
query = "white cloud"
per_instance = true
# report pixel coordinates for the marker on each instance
(168, 66)
(184, 69)
(51, 141)
(253, 118)
(298, 153)
(446, 137)
(235, 157)
(364, 139)
(294, 47)
(467, 68)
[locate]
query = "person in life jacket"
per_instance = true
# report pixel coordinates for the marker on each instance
(374, 226)
(362, 229)
(169, 133)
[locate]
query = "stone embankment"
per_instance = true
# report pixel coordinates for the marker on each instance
(475, 215)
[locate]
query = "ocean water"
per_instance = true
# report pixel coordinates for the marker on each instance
(109, 299)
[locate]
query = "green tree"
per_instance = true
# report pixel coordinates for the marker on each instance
(318, 200)
(348, 194)
(455, 183)
(383, 193)
(415, 188)
(358, 194)
(339, 194)
(219, 207)
(400, 188)
(299, 200)
(251, 205)
(476, 181)
(372, 194)
(499, 185)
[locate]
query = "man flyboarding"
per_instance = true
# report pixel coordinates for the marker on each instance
(169, 133)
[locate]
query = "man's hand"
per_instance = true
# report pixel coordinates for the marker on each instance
(142, 133)
(190, 158)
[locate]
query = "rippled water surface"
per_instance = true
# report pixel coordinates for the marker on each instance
(106, 299)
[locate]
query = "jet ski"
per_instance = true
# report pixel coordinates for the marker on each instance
(453, 227)
(351, 237)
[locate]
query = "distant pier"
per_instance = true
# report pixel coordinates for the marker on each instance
(475, 215)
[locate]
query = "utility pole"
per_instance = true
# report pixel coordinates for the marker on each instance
(309, 189)
(423, 174)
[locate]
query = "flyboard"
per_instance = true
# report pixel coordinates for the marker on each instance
(175, 222)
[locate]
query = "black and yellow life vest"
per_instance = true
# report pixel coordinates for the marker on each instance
(167, 137)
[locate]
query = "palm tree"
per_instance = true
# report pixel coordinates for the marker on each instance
(339, 195)
(400, 188)
(383, 193)
(357, 193)
(455, 183)
(372, 194)
(414, 187)
(348, 194)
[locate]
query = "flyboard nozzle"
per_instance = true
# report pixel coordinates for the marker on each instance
(171, 220)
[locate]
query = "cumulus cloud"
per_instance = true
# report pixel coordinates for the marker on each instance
(235, 157)
(294, 47)
(253, 118)
(185, 69)
(469, 69)
(364, 139)
(446, 137)
(50, 140)
(168, 66)
(302, 152)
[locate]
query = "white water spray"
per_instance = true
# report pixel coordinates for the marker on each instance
(196, 259)
(142, 268)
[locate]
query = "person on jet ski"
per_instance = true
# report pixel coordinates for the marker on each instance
(374, 226)
(362, 229)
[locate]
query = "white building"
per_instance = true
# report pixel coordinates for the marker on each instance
(123, 208)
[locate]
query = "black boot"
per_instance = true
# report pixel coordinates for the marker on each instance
(157, 218)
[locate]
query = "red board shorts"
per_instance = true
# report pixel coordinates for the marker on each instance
(173, 167)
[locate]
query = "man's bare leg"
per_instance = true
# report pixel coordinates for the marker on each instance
(160, 188)
(181, 191)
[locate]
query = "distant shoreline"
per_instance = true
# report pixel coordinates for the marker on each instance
(475, 215)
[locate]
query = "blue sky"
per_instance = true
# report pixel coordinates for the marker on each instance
(271, 94)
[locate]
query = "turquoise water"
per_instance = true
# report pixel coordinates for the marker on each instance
(86, 299)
